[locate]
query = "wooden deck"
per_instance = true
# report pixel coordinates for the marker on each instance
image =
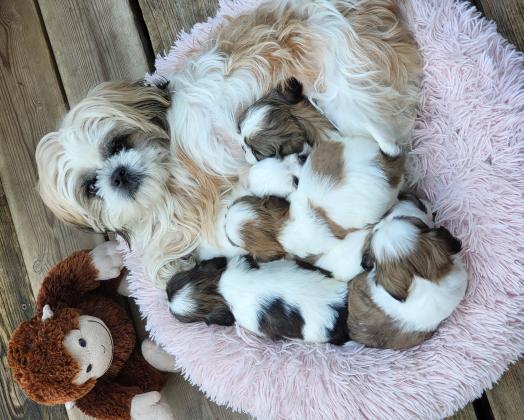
(51, 53)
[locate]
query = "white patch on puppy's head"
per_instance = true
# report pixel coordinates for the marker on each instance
(394, 239)
(183, 303)
(252, 122)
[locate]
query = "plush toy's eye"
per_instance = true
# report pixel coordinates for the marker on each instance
(82, 342)
(89, 367)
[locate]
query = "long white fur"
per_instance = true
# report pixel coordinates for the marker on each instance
(315, 295)
(205, 100)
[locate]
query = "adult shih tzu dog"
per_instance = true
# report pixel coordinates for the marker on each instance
(157, 164)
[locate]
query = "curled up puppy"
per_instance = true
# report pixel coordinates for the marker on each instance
(278, 299)
(414, 280)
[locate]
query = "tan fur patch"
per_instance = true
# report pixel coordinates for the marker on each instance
(260, 236)
(338, 231)
(393, 168)
(369, 325)
(327, 160)
(270, 46)
(200, 203)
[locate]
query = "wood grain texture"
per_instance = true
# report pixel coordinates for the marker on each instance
(30, 106)
(16, 305)
(165, 19)
(93, 41)
(188, 403)
(509, 16)
(467, 413)
(506, 399)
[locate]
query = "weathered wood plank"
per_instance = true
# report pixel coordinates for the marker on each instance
(467, 413)
(16, 306)
(165, 19)
(509, 16)
(30, 106)
(31, 103)
(188, 403)
(506, 399)
(93, 41)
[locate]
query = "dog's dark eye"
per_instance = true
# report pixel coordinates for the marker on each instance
(89, 367)
(117, 145)
(90, 187)
(82, 342)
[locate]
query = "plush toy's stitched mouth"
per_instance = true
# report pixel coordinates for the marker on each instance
(110, 337)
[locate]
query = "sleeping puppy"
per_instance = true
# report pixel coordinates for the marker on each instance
(282, 123)
(345, 182)
(414, 280)
(279, 299)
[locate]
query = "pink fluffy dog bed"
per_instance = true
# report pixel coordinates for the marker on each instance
(468, 158)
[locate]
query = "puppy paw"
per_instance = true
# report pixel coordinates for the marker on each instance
(274, 177)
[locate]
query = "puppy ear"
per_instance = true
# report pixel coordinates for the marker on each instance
(220, 315)
(291, 91)
(452, 244)
(213, 265)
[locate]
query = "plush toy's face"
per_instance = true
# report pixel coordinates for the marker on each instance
(91, 346)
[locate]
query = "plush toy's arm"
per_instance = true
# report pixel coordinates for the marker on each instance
(67, 282)
(137, 372)
(109, 400)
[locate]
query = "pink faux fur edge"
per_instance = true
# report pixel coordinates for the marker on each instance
(468, 159)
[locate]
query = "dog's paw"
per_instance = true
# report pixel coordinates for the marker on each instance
(108, 260)
(276, 177)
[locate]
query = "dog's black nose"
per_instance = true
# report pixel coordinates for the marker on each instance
(126, 181)
(120, 177)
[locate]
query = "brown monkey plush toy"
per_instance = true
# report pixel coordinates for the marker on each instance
(81, 346)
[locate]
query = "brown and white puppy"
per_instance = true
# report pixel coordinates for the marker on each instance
(176, 152)
(344, 184)
(282, 123)
(414, 280)
(279, 299)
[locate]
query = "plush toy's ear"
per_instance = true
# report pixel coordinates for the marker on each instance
(70, 405)
(47, 313)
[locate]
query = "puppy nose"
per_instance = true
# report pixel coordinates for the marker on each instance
(120, 177)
